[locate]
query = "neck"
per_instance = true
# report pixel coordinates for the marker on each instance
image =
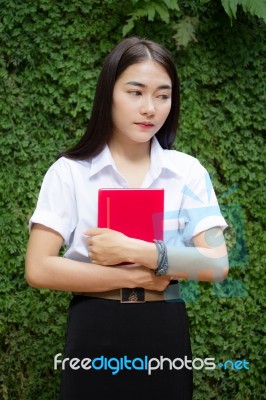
(134, 152)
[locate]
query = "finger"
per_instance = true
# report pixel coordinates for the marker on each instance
(128, 266)
(90, 242)
(85, 234)
(95, 231)
(93, 261)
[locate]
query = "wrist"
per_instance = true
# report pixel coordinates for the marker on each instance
(162, 258)
(143, 253)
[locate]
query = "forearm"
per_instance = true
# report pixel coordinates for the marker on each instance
(58, 273)
(46, 269)
(197, 263)
(54, 272)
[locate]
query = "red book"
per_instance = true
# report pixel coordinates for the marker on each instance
(138, 213)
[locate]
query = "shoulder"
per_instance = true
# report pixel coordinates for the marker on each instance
(65, 171)
(67, 166)
(184, 163)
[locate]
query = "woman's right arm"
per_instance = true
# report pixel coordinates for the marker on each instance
(46, 269)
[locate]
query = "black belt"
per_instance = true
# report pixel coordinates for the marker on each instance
(137, 295)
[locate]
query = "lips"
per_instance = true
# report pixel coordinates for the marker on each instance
(146, 124)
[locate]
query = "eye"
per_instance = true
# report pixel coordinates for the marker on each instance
(135, 93)
(163, 96)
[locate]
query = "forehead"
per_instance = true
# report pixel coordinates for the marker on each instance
(147, 72)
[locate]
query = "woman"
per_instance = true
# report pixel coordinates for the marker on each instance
(127, 144)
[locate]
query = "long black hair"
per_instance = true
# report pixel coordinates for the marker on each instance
(129, 51)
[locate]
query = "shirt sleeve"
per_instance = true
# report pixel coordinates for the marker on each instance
(56, 206)
(200, 209)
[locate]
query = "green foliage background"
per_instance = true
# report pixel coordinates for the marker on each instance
(50, 57)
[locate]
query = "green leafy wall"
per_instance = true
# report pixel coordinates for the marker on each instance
(50, 57)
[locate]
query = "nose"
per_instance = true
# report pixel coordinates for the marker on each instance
(147, 106)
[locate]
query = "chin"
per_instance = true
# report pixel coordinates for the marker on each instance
(142, 138)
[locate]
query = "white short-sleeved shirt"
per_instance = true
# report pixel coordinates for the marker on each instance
(68, 199)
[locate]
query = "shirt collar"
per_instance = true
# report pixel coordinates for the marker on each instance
(159, 160)
(101, 161)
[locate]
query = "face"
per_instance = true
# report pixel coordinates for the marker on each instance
(141, 102)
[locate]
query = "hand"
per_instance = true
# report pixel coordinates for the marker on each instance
(107, 247)
(143, 277)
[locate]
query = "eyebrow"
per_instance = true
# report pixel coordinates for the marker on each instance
(134, 83)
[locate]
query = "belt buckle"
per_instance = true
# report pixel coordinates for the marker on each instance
(135, 295)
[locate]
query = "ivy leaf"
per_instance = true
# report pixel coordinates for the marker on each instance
(149, 9)
(172, 4)
(128, 27)
(185, 31)
(230, 7)
(163, 12)
(254, 7)
(151, 13)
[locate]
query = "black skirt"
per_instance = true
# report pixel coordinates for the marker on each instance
(129, 351)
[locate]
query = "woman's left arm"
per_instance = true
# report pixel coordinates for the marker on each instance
(206, 260)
